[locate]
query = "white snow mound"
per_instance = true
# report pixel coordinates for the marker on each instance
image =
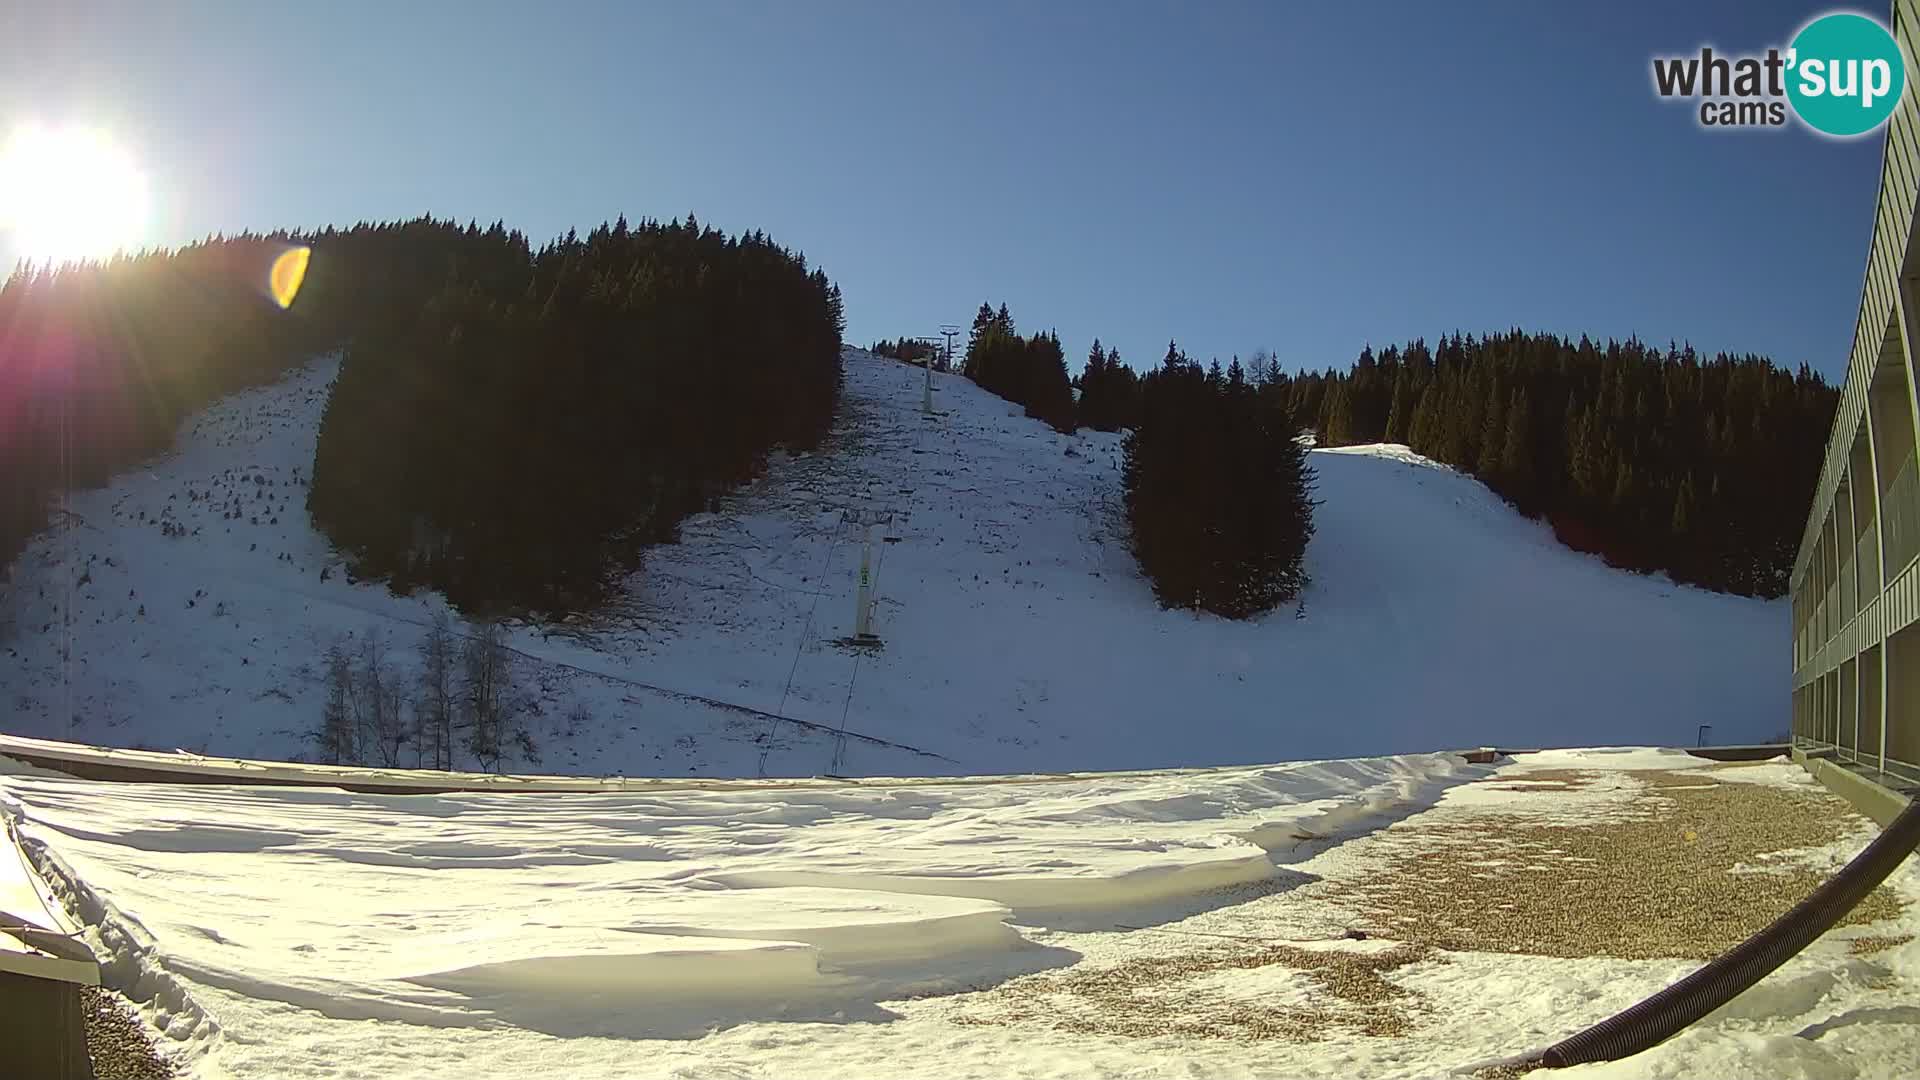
(230, 909)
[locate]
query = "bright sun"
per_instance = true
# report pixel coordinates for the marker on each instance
(69, 193)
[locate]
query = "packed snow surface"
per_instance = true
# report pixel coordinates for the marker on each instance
(184, 606)
(637, 915)
(806, 929)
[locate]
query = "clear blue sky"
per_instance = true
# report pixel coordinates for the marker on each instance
(1304, 177)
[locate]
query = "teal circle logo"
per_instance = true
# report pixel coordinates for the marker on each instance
(1845, 74)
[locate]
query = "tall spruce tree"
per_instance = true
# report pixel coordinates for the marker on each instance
(1400, 412)
(1049, 393)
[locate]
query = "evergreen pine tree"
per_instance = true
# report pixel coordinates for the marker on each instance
(1491, 440)
(1337, 427)
(1681, 523)
(1125, 391)
(1095, 406)
(1400, 413)
(1049, 394)
(1516, 455)
(1622, 494)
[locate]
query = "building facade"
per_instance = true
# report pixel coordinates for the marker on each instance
(1856, 583)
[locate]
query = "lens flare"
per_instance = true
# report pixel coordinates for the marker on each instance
(289, 270)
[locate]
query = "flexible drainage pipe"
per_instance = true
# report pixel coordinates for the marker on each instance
(1664, 1014)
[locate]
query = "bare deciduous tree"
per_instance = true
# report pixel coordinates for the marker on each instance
(377, 702)
(1264, 368)
(416, 731)
(434, 711)
(523, 739)
(338, 735)
(490, 693)
(579, 718)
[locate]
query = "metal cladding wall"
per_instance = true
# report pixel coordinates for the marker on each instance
(1856, 581)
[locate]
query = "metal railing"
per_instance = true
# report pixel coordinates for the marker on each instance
(1866, 565)
(1867, 759)
(1900, 511)
(1849, 593)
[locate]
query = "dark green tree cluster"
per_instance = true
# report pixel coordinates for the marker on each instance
(911, 351)
(1218, 491)
(100, 361)
(518, 439)
(1656, 460)
(508, 425)
(1028, 371)
(1109, 391)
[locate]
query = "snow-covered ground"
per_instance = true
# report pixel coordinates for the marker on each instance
(784, 929)
(183, 607)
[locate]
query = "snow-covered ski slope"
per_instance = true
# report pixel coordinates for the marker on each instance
(1018, 634)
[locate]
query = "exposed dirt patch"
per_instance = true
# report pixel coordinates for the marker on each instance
(1540, 780)
(1868, 946)
(1165, 995)
(1506, 1072)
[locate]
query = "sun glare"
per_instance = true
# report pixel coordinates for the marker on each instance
(69, 193)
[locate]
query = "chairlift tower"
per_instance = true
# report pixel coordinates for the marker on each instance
(926, 395)
(863, 595)
(926, 362)
(948, 330)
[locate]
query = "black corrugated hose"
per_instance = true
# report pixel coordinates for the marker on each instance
(1664, 1014)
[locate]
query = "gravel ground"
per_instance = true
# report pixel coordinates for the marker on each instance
(1688, 869)
(116, 1041)
(1640, 865)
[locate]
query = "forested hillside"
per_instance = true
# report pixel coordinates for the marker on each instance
(1011, 551)
(910, 350)
(1657, 460)
(1029, 371)
(543, 416)
(99, 362)
(510, 425)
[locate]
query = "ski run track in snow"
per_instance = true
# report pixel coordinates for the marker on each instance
(1019, 636)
